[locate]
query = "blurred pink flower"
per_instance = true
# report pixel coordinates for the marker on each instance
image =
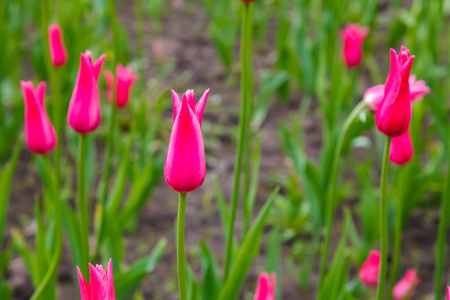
(124, 82)
(265, 290)
(102, 283)
(40, 134)
(406, 286)
(353, 37)
(402, 149)
(58, 52)
(368, 274)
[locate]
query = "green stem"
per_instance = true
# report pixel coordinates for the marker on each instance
(241, 141)
(110, 139)
(441, 240)
(82, 207)
(55, 87)
(181, 264)
(332, 188)
(397, 236)
(58, 245)
(383, 221)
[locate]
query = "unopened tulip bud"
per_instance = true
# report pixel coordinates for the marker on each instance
(368, 274)
(353, 37)
(406, 286)
(265, 290)
(123, 83)
(58, 52)
(40, 134)
(402, 149)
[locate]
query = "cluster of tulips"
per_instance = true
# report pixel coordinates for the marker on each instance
(185, 166)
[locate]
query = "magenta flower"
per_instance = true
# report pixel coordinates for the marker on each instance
(353, 37)
(84, 110)
(393, 115)
(402, 149)
(265, 290)
(374, 95)
(406, 286)
(58, 52)
(185, 166)
(368, 274)
(102, 283)
(40, 134)
(124, 81)
(448, 292)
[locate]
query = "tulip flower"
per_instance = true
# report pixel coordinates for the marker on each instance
(448, 292)
(58, 52)
(374, 95)
(353, 37)
(368, 274)
(185, 167)
(102, 283)
(401, 149)
(265, 290)
(40, 134)
(405, 287)
(124, 81)
(393, 115)
(84, 110)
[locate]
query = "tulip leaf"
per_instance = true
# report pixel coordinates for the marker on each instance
(210, 285)
(246, 253)
(223, 207)
(126, 282)
(72, 230)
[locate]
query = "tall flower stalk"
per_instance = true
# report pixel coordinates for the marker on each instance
(244, 125)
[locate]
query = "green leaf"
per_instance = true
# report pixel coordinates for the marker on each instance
(126, 282)
(246, 253)
(223, 207)
(72, 229)
(210, 285)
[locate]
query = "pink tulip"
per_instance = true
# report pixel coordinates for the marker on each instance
(448, 292)
(58, 51)
(102, 283)
(185, 166)
(393, 115)
(353, 36)
(265, 290)
(374, 95)
(368, 274)
(125, 79)
(401, 149)
(84, 110)
(406, 286)
(40, 134)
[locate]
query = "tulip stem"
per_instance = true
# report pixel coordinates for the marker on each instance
(397, 237)
(242, 136)
(383, 221)
(331, 195)
(180, 246)
(441, 240)
(82, 207)
(58, 246)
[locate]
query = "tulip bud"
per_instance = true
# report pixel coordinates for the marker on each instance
(58, 52)
(406, 286)
(448, 292)
(368, 274)
(102, 283)
(265, 290)
(84, 110)
(402, 149)
(185, 166)
(124, 81)
(353, 37)
(40, 134)
(374, 95)
(393, 115)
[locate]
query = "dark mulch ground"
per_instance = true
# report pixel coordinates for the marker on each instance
(183, 37)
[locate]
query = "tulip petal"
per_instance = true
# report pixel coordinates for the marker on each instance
(110, 281)
(176, 104)
(97, 66)
(85, 289)
(200, 107)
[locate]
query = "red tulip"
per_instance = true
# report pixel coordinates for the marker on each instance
(84, 110)
(401, 149)
(265, 290)
(374, 95)
(185, 166)
(393, 115)
(353, 37)
(406, 286)
(40, 134)
(58, 52)
(368, 274)
(102, 283)
(124, 81)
